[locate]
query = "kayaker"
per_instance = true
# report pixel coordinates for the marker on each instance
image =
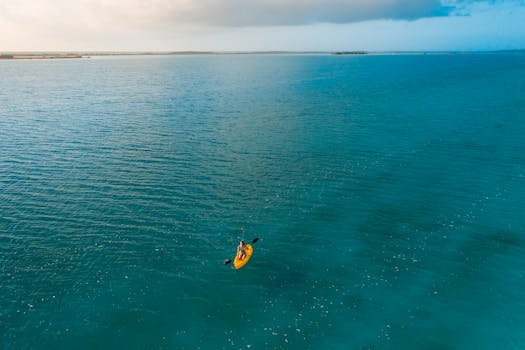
(241, 250)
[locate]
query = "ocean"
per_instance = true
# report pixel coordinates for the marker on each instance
(388, 193)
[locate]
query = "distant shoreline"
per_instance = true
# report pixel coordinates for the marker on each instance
(38, 56)
(86, 54)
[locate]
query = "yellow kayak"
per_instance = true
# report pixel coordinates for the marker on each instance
(238, 263)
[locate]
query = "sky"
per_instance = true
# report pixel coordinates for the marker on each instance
(252, 25)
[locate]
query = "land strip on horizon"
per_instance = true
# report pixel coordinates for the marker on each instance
(8, 55)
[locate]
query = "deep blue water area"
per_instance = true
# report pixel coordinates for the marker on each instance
(388, 192)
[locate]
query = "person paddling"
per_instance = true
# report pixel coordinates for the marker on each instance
(244, 252)
(241, 250)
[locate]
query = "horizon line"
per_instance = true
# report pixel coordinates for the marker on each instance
(83, 53)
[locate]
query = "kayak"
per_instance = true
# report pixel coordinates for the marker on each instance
(238, 263)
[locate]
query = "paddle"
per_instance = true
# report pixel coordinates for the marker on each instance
(227, 261)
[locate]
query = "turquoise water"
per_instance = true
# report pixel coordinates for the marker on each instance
(388, 193)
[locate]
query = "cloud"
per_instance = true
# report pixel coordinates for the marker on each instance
(293, 12)
(242, 13)
(188, 24)
(229, 13)
(92, 14)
